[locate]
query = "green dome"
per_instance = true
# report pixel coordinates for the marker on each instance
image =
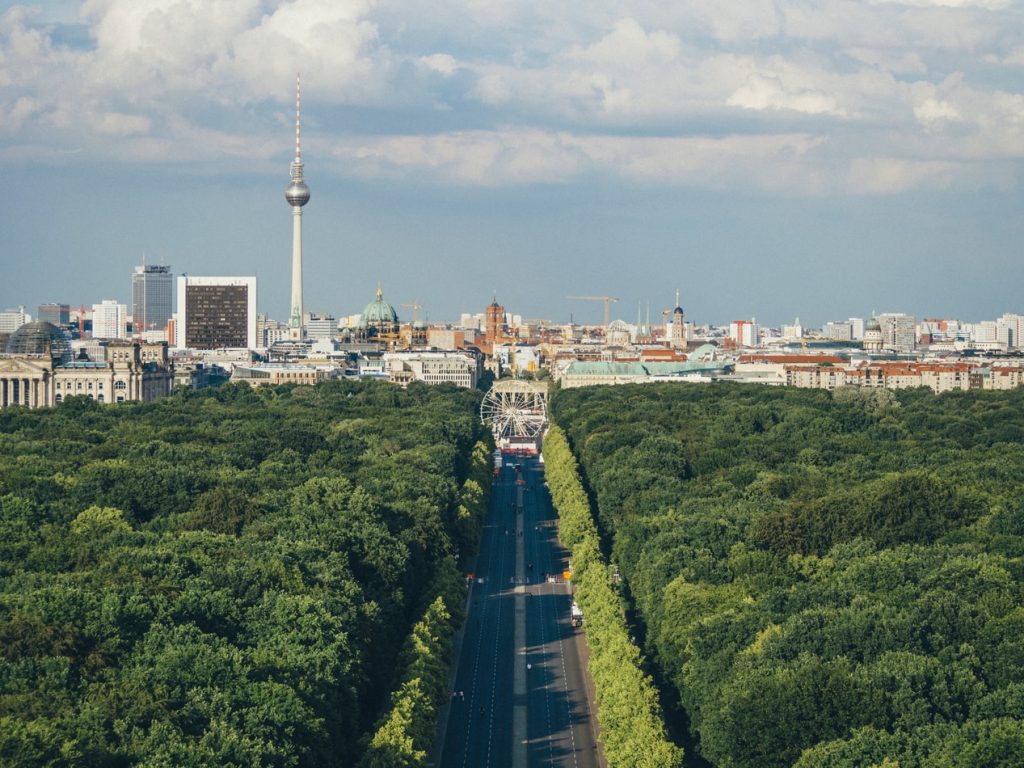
(378, 313)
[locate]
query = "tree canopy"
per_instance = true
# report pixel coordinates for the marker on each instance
(824, 579)
(227, 577)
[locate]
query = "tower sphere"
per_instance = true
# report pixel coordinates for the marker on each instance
(297, 193)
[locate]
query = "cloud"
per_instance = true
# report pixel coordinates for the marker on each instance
(837, 95)
(442, 63)
(1016, 57)
(991, 5)
(514, 155)
(932, 112)
(763, 91)
(891, 175)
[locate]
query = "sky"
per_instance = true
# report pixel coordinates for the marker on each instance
(773, 159)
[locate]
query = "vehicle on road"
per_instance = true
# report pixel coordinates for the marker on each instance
(576, 615)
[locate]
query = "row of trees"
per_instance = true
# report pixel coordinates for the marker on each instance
(224, 577)
(826, 580)
(632, 729)
(404, 737)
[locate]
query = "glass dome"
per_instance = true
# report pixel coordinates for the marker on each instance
(38, 338)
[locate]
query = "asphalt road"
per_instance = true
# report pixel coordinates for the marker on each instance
(555, 727)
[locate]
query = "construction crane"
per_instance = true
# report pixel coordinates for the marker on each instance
(606, 299)
(414, 305)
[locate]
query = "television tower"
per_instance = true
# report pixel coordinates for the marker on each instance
(297, 195)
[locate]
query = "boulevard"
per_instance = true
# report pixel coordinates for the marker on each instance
(520, 694)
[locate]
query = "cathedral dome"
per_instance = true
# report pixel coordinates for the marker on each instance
(38, 338)
(378, 313)
(873, 325)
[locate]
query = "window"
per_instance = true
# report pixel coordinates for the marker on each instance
(58, 398)
(100, 397)
(120, 385)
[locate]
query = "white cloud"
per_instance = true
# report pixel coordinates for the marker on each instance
(991, 5)
(767, 91)
(1016, 57)
(23, 108)
(442, 63)
(892, 175)
(932, 112)
(528, 156)
(754, 94)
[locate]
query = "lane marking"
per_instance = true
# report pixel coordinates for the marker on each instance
(470, 719)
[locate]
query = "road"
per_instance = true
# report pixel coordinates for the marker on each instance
(520, 686)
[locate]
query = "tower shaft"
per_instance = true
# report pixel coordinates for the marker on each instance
(295, 317)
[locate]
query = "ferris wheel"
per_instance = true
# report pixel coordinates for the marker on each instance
(515, 409)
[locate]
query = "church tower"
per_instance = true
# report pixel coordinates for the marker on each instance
(679, 340)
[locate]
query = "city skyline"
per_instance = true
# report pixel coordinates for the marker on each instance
(769, 166)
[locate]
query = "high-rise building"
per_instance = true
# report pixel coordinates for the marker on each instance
(109, 320)
(745, 333)
(216, 313)
(56, 314)
(321, 327)
(297, 195)
(152, 298)
(12, 319)
(838, 330)
(1015, 324)
(899, 331)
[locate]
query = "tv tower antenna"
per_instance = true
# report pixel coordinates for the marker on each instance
(297, 195)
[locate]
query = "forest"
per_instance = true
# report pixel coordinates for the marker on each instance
(234, 577)
(819, 579)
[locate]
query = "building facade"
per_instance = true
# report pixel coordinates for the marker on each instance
(494, 321)
(56, 314)
(45, 376)
(899, 332)
(432, 368)
(152, 298)
(216, 313)
(109, 320)
(12, 319)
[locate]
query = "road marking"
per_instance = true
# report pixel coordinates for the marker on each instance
(470, 719)
(519, 734)
(565, 680)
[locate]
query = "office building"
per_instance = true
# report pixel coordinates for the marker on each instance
(216, 313)
(838, 331)
(432, 368)
(321, 327)
(109, 320)
(12, 319)
(745, 333)
(55, 314)
(899, 332)
(152, 298)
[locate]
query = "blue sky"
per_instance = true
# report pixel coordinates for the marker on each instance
(769, 158)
